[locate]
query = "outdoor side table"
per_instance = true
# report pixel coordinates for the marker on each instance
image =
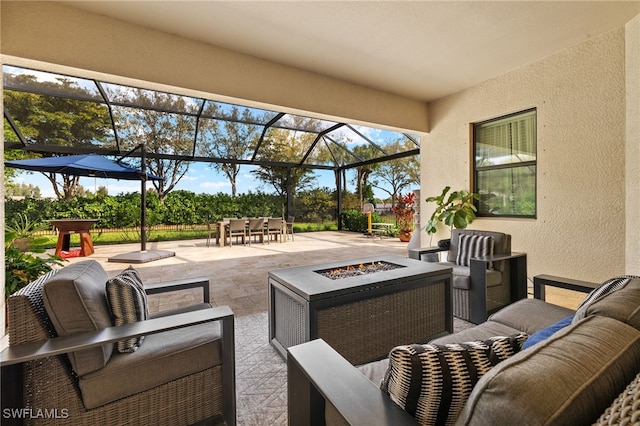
(66, 227)
(543, 280)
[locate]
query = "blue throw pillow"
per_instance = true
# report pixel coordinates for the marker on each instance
(545, 333)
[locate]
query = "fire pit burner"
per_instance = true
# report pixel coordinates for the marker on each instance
(357, 269)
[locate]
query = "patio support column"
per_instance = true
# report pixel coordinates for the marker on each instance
(143, 199)
(289, 198)
(338, 173)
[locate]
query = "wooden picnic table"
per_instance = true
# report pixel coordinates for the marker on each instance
(66, 227)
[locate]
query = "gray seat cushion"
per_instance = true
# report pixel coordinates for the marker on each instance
(483, 331)
(162, 358)
(530, 315)
(76, 302)
(375, 370)
(462, 276)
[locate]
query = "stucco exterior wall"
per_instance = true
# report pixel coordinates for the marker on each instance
(579, 94)
(632, 229)
(61, 35)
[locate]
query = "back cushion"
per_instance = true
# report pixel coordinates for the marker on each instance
(474, 246)
(501, 242)
(76, 302)
(568, 379)
(617, 298)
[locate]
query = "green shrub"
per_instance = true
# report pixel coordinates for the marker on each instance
(21, 268)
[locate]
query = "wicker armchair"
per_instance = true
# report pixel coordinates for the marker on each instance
(182, 374)
(488, 283)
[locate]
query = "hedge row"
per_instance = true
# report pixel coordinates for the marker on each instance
(122, 211)
(182, 208)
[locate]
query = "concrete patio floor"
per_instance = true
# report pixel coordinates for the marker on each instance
(238, 274)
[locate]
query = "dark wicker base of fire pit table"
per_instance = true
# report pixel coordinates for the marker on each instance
(376, 303)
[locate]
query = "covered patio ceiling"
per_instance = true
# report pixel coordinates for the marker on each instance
(185, 127)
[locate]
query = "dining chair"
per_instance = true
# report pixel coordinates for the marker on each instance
(256, 227)
(274, 227)
(290, 221)
(237, 228)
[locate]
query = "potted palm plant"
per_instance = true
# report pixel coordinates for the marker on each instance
(456, 210)
(404, 211)
(20, 231)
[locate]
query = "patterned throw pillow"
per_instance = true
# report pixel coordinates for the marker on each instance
(605, 288)
(474, 246)
(128, 304)
(433, 382)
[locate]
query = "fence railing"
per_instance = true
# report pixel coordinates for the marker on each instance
(101, 230)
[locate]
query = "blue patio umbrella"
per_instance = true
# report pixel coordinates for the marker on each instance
(92, 165)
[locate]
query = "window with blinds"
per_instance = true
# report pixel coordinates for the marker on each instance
(504, 165)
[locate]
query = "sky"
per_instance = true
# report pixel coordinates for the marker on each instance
(201, 178)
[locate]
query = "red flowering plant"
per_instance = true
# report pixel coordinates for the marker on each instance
(403, 209)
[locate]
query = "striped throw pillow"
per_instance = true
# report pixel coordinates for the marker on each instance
(433, 382)
(128, 304)
(609, 286)
(474, 246)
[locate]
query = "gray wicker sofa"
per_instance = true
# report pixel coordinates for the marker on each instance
(586, 373)
(64, 364)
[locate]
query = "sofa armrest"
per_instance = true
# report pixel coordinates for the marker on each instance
(188, 283)
(317, 374)
(76, 342)
(541, 281)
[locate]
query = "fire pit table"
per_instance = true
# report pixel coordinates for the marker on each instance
(361, 307)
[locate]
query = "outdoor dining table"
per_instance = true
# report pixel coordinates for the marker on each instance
(66, 227)
(221, 230)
